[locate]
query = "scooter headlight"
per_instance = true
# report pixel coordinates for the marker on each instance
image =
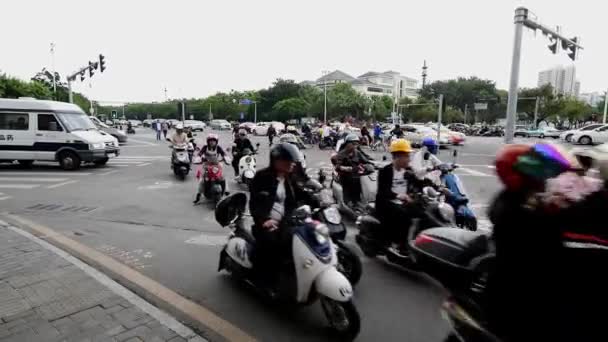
(215, 169)
(447, 212)
(321, 239)
(332, 215)
(248, 160)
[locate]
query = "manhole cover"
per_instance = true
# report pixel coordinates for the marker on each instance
(62, 208)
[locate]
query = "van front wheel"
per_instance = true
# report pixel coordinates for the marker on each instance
(69, 160)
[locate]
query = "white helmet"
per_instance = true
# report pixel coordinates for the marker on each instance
(179, 126)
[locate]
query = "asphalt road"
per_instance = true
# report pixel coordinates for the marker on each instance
(137, 212)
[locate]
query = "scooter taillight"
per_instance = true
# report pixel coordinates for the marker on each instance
(214, 172)
(423, 239)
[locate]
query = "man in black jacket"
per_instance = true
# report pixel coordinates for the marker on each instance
(395, 182)
(241, 142)
(274, 196)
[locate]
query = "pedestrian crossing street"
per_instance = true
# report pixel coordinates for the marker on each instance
(48, 176)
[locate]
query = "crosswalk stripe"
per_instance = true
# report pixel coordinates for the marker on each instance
(141, 157)
(4, 198)
(145, 164)
(31, 179)
(36, 173)
(472, 172)
(19, 186)
(61, 184)
(123, 161)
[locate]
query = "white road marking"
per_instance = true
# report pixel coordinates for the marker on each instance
(119, 165)
(31, 179)
(35, 173)
(141, 142)
(124, 161)
(5, 198)
(145, 164)
(19, 186)
(141, 157)
(208, 240)
(165, 319)
(108, 173)
(472, 172)
(156, 186)
(61, 184)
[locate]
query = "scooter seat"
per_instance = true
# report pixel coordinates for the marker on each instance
(246, 235)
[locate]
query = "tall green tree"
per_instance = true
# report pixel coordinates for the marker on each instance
(343, 100)
(292, 108)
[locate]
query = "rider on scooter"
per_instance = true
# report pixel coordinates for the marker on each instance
(240, 144)
(274, 195)
(300, 166)
(395, 182)
(210, 151)
(349, 163)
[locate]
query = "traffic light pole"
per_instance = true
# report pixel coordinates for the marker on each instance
(439, 112)
(605, 106)
(520, 16)
(70, 95)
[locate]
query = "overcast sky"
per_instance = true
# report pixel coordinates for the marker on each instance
(198, 47)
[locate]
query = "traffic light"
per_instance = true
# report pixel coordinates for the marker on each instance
(102, 63)
(92, 68)
(553, 45)
(82, 76)
(571, 48)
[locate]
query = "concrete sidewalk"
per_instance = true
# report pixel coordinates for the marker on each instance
(48, 296)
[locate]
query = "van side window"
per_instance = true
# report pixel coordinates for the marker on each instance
(14, 121)
(48, 122)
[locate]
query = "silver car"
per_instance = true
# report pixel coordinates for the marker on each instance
(119, 135)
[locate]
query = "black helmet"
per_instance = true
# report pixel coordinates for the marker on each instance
(284, 151)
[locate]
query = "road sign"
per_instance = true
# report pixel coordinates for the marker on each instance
(481, 106)
(245, 102)
(242, 116)
(114, 114)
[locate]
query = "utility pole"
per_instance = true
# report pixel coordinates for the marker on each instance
(53, 65)
(466, 108)
(536, 105)
(521, 19)
(255, 111)
(166, 98)
(605, 106)
(439, 112)
(325, 73)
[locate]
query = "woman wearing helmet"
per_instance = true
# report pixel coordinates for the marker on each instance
(395, 182)
(210, 151)
(274, 195)
(241, 142)
(426, 160)
(349, 163)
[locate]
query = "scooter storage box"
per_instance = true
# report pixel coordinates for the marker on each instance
(449, 246)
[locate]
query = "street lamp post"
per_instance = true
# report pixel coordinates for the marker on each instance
(53, 65)
(605, 106)
(325, 73)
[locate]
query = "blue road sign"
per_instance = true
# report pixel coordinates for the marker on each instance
(246, 102)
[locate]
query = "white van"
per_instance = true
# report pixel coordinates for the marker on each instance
(33, 129)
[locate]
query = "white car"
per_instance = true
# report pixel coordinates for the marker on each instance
(135, 123)
(416, 133)
(567, 135)
(196, 125)
(262, 127)
(173, 122)
(220, 124)
(591, 137)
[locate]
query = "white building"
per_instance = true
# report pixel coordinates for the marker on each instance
(562, 79)
(390, 83)
(592, 99)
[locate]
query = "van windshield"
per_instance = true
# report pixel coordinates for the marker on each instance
(76, 121)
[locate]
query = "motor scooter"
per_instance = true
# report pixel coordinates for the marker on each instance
(313, 257)
(180, 160)
(213, 180)
(368, 177)
(247, 166)
(435, 244)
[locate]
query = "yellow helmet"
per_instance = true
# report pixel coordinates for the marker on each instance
(400, 145)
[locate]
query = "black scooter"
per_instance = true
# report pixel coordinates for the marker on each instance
(435, 245)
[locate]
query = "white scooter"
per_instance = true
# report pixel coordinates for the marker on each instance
(180, 159)
(247, 166)
(314, 261)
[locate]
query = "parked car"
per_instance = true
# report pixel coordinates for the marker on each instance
(148, 122)
(249, 126)
(173, 122)
(135, 123)
(567, 135)
(220, 124)
(109, 122)
(454, 138)
(262, 127)
(196, 125)
(548, 132)
(590, 137)
(416, 133)
(521, 131)
(121, 136)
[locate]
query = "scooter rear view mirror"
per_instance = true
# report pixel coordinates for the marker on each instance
(384, 158)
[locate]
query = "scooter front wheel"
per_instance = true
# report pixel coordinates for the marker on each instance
(349, 264)
(343, 318)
